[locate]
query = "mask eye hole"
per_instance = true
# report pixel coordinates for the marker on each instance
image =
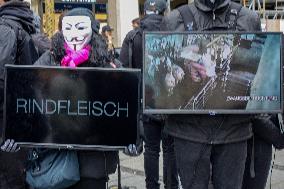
(81, 28)
(67, 28)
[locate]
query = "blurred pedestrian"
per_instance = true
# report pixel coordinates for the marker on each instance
(80, 45)
(202, 142)
(131, 56)
(17, 47)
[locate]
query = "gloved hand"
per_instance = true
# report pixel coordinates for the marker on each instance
(10, 146)
(133, 150)
(130, 150)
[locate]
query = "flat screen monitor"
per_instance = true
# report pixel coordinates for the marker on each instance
(212, 72)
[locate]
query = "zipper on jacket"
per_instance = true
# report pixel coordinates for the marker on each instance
(214, 16)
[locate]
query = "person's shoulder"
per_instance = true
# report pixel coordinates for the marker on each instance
(248, 13)
(7, 33)
(132, 34)
(46, 59)
(4, 28)
(41, 41)
(249, 20)
(172, 21)
(135, 31)
(174, 15)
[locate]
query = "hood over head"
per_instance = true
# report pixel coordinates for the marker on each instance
(209, 5)
(155, 6)
(20, 12)
(151, 22)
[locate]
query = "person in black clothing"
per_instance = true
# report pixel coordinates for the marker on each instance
(131, 56)
(16, 47)
(202, 142)
(268, 132)
(108, 38)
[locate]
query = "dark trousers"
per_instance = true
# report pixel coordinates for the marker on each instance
(194, 161)
(90, 183)
(262, 160)
(12, 166)
(153, 136)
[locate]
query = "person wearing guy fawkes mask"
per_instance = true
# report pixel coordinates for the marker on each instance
(153, 125)
(201, 141)
(80, 45)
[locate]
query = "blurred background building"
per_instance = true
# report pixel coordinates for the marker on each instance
(119, 13)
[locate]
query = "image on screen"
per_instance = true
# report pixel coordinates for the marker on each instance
(212, 72)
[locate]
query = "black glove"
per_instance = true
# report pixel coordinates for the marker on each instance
(10, 146)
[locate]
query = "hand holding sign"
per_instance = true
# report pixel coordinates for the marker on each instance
(10, 146)
(133, 150)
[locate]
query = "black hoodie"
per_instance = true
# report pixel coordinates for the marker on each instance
(12, 164)
(151, 22)
(17, 26)
(20, 12)
(204, 16)
(218, 129)
(16, 45)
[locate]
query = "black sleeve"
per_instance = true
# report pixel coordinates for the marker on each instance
(124, 52)
(137, 54)
(8, 49)
(46, 59)
(8, 46)
(267, 129)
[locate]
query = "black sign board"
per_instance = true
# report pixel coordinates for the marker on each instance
(78, 108)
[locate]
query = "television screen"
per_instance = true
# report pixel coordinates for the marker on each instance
(212, 73)
(78, 108)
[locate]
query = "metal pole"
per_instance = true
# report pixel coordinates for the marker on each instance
(118, 175)
(263, 9)
(169, 5)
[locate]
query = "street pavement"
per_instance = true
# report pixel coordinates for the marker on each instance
(133, 175)
(132, 172)
(276, 179)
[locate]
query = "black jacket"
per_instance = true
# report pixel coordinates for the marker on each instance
(148, 23)
(16, 47)
(218, 129)
(247, 20)
(268, 128)
(93, 164)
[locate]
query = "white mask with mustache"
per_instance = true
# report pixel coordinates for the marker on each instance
(77, 31)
